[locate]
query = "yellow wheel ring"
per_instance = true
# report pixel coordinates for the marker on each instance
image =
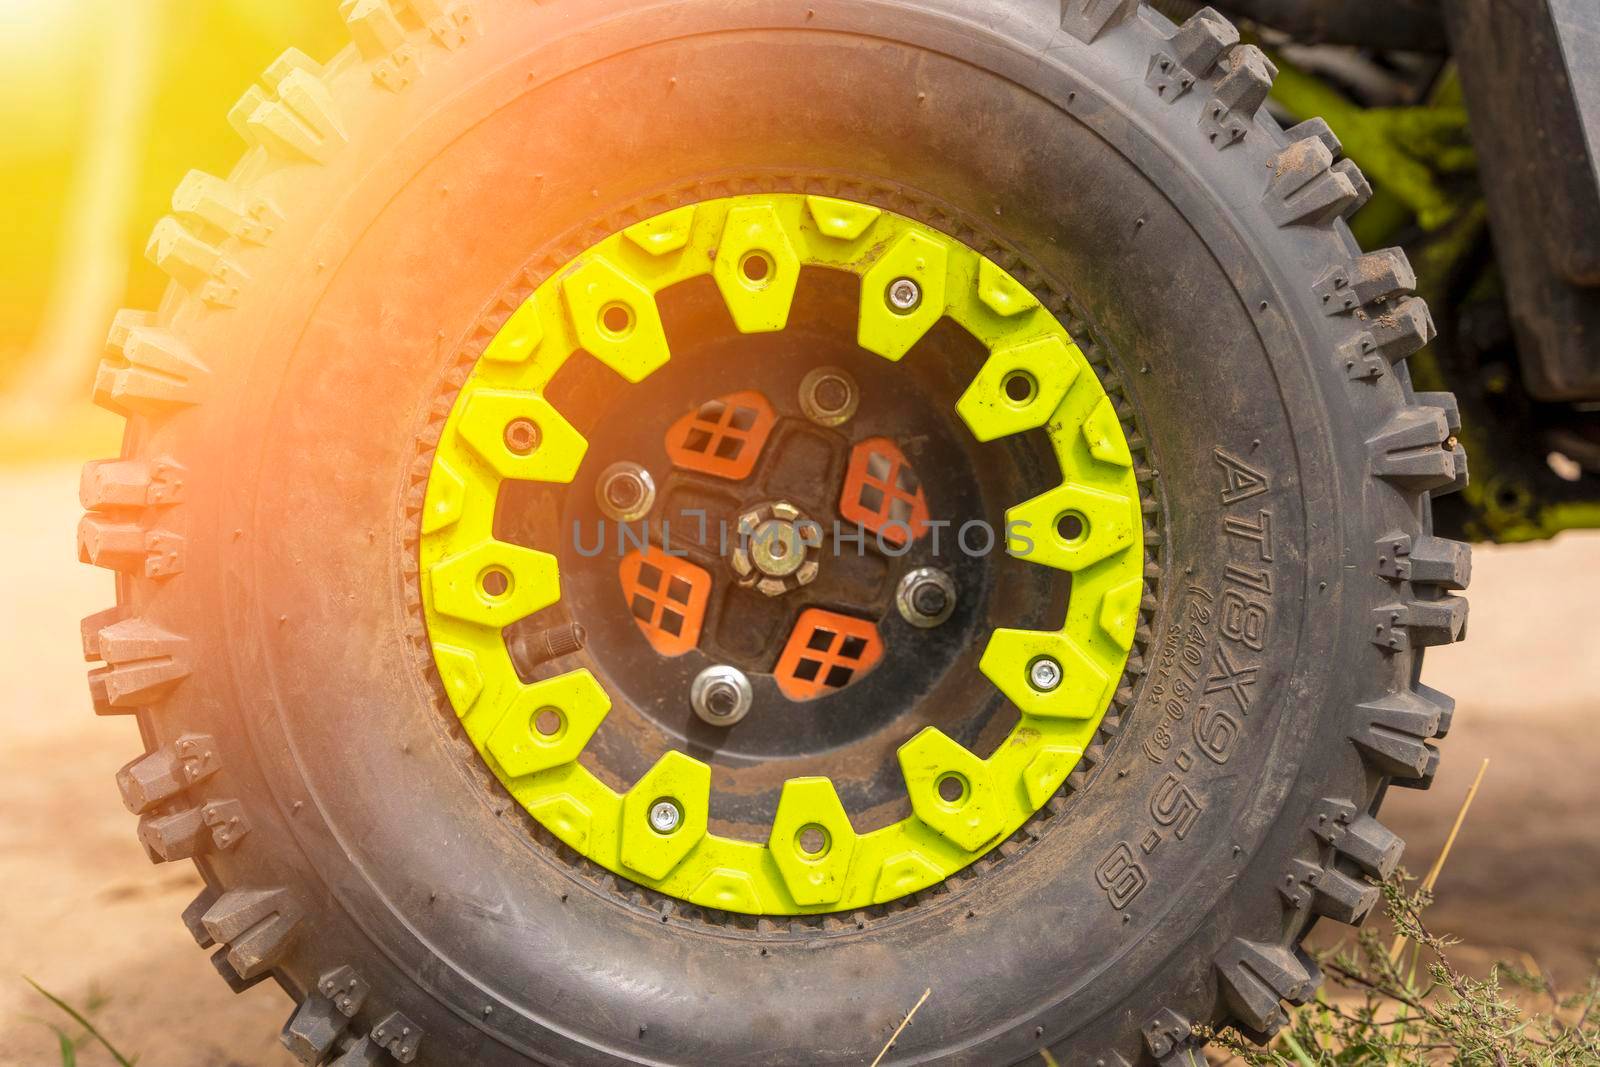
(531, 735)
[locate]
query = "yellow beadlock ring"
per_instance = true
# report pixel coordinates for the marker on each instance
(603, 303)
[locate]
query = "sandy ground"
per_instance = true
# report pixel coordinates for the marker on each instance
(86, 915)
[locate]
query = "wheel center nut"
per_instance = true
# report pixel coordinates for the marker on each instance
(777, 549)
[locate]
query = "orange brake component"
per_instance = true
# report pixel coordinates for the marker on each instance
(724, 437)
(827, 651)
(668, 596)
(882, 493)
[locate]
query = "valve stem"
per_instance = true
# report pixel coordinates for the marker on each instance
(550, 643)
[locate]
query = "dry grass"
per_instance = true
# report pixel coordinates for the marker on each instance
(1416, 1008)
(1390, 1007)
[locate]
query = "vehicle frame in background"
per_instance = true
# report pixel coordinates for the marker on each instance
(1479, 125)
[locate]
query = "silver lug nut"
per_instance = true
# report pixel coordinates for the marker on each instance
(625, 492)
(1044, 674)
(721, 695)
(926, 597)
(829, 396)
(904, 294)
(665, 816)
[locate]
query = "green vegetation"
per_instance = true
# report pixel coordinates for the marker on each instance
(71, 1043)
(1405, 1005)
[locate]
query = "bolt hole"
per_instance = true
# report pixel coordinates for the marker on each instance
(1020, 387)
(813, 841)
(757, 267)
(549, 723)
(1071, 528)
(952, 789)
(522, 436)
(495, 582)
(617, 320)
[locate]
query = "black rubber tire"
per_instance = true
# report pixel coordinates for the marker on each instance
(280, 402)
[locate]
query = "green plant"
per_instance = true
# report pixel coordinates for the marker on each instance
(70, 1043)
(1396, 1007)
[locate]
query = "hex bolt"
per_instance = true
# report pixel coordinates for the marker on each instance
(1044, 674)
(929, 599)
(625, 492)
(904, 295)
(721, 695)
(833, 393)
(926, 597)
(721, 699)
(665, 816)
(829, 396)
(522, 435)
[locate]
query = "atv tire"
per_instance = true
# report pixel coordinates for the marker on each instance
(394, 205)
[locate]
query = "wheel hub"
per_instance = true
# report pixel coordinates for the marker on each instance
(777, 549)
(807, 673)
